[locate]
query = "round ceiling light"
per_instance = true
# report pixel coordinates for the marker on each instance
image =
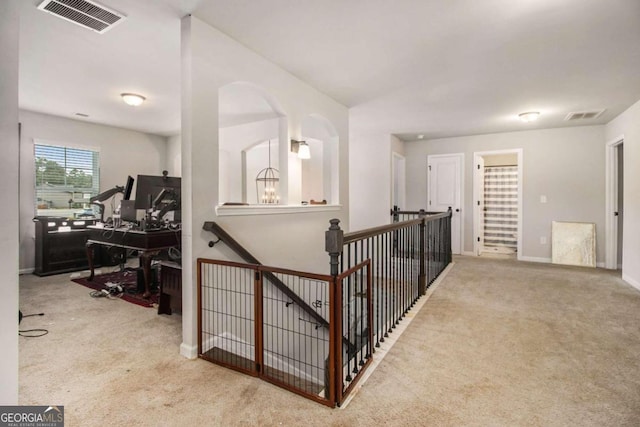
(132, 99)
(530, 116)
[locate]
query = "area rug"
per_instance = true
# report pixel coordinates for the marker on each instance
(128, 280)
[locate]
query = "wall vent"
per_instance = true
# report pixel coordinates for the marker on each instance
(583, 115)
(85, 13)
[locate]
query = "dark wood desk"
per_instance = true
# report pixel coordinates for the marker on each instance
(147, 243)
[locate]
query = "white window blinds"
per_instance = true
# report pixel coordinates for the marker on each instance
(66, 178)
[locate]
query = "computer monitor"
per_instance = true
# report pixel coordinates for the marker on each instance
(149, 187)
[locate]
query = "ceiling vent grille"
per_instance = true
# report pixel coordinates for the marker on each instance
(85, 13)
(583, 115)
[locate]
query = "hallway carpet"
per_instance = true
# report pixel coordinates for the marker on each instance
(498, 343)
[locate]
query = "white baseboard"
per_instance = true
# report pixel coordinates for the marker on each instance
(26, 270)
(631, 281)
(189, 351)
(600, 264)
(535, 259)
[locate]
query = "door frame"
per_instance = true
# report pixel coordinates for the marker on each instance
(478, 185)
(611, 202)
(401, 175)
(461, 193)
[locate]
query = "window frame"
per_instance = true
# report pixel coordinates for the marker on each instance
(70, 163)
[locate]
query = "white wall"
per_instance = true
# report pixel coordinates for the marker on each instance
(565, 165)
(174, 156)
(313, 187)
(212, 60)
(369, 176)
(122, 152)
(628, 124)
(9, 24)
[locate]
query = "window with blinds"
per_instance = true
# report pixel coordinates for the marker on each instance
(66, 178)
(501, 207)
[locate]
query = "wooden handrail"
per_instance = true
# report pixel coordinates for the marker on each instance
(374, 231)
(233, 244)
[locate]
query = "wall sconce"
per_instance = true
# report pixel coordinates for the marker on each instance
(302, 148)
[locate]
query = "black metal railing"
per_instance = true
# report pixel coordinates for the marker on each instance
(406, 257)
(315, 334)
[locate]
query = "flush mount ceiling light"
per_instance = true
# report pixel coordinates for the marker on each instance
(530, 116)
(132, 99)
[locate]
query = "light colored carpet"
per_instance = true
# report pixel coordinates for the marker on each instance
(499, 343)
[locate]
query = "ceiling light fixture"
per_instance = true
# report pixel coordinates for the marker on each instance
(132, 99)
(530, 116)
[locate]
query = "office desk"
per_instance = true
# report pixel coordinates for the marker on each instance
(147, 243)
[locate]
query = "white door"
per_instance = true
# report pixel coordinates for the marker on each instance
(445, 191)
(478, 204)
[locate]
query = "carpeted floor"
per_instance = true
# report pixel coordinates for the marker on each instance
(498, 343)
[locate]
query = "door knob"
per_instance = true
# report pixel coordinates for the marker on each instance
(457, 210)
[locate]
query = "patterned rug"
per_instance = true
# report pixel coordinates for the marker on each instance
(128, 280)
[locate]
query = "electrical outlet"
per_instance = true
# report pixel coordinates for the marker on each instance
(543, 199)
(543, 240)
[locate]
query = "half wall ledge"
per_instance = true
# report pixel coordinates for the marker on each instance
(273, 209)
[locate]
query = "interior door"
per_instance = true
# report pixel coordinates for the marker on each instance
(478, 205)
(445, 191)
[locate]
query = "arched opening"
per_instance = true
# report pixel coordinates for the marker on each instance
(319, 174)
(248, 119)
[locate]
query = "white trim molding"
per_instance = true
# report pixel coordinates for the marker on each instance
(611, 200)
(631, 281)
(189, 351)
(535, 259)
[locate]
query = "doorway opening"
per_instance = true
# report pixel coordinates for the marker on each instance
(497, 184)
(398, 181)
(614, 214)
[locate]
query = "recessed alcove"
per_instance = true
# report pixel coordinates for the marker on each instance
(254, 134)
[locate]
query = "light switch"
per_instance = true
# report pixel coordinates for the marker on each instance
(543, 199)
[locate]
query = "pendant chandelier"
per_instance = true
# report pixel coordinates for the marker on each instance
(267, 183)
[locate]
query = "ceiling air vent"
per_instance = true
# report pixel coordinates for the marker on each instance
(583, 115)
(85, 13)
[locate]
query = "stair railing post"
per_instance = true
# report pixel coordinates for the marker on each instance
(333, 244)
(394, 213)
(422, 277)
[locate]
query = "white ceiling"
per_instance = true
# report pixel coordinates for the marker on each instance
(433, 67)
